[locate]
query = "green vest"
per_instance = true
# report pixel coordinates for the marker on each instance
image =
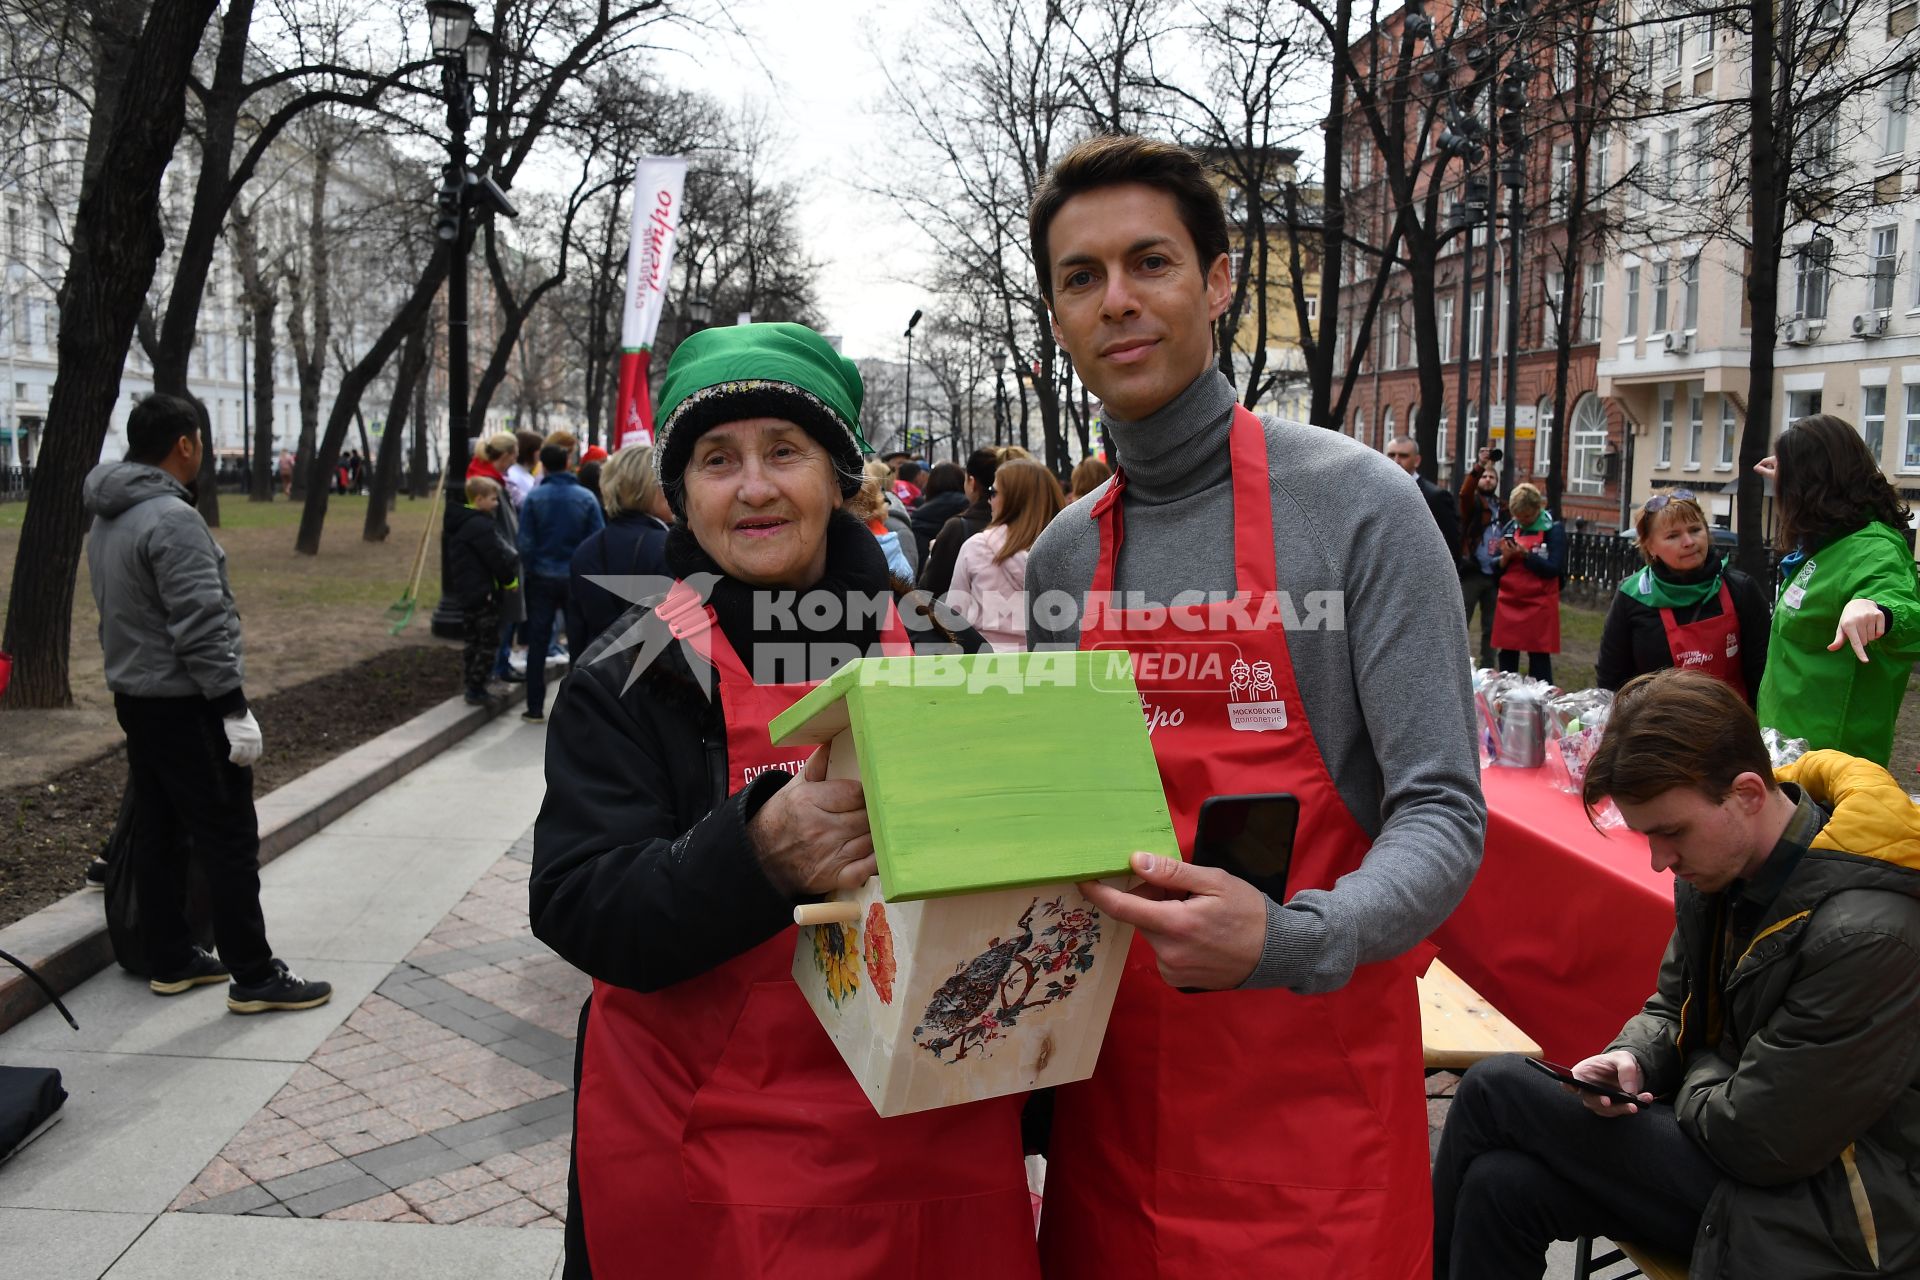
(1832, 699)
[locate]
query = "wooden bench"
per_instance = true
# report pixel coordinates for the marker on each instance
(1458, 1027)
(1654, 1266)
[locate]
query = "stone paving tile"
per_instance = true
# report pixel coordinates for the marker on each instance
(445, 1097)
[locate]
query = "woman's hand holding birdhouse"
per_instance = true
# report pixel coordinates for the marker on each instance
(811, 836)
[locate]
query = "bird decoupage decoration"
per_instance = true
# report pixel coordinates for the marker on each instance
(971, 966)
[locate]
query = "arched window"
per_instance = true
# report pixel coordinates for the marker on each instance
(1360, 425)
(1587, 446)
(1386, 425)
(1543, 439)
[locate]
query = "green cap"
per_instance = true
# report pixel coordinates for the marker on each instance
(758, 371)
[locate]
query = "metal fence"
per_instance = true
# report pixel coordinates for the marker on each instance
(1597, 562)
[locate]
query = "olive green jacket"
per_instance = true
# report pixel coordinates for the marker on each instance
(1800, 1078)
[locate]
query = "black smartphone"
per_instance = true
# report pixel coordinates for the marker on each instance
(1251, 836)
(1565, 1076)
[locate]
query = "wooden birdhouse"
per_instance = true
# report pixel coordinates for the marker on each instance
(971, 966)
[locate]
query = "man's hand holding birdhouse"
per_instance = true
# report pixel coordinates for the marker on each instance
(1206, 926)
(811, 836)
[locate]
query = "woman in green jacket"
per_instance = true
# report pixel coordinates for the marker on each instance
(1846, 625)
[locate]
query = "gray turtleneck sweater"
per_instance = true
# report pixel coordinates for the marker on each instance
(1388, 696)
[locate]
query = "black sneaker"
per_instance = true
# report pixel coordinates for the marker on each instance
(477, 698)
(97, 874)
(203, 969)
(282, 990)
(534, 717)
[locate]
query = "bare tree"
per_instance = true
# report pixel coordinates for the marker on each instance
(116, 246)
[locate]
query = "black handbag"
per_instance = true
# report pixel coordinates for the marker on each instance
(29, 1096)
(123, 905)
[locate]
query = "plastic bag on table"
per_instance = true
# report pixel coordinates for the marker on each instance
(1782, 751)
(1578, 709)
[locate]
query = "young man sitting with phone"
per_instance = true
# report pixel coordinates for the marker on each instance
(1775, 1072)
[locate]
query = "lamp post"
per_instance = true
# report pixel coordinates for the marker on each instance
(908, 426)
(464, 51)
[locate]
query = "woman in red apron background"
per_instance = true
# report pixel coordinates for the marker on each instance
(1241, 1133)
(1533, 558)
(718, 1134)
(1686, 607)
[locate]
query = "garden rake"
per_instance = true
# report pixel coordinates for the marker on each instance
(401, 610)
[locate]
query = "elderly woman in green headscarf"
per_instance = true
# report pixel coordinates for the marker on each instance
(718, 1132)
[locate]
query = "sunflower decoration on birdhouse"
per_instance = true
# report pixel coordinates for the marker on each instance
(836, 950)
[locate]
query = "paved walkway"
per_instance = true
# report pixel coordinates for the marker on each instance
(434, 1088)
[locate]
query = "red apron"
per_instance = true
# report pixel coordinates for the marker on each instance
(1241, 1133)
(720, 1135)
(1711, 645)
(1526, 613)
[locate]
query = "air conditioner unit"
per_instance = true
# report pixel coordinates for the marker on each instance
(1678, 343)
(1796, 332)
(1869, 324)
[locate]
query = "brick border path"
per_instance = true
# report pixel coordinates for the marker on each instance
(445, 1097)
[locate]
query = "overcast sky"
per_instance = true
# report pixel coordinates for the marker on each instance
(808, 62)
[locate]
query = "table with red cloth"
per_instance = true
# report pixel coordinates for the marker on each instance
(1564, 926)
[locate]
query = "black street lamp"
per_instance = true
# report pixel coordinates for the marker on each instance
(464, 51)
(907, 429)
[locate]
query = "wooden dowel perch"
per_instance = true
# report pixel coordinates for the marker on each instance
(839, 912)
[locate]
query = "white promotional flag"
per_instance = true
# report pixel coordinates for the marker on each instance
(657, 185)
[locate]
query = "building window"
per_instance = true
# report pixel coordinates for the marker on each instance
(1313, 308)
(1882, 263)
(1543, 438)
(1476, 323)
(1440, 436)
(1802, 404)
(1562, 178)
(1659, 298)
(1669, 163)
(1386, 424)
(1360, 425)
(1696, 426)
(1392, 344)
(1910, 452)
(1699, 161)
(1873, 419)
(1630, 324)
(1810, 278)
(1704, 39)
(1690, 306)
(1446, 329)
(1588, 465)
(1666, 430)
(1893, 128)
(1550, 308)
(1599, 162)
(1639, 177)
(1824, 147)
(1729, 431)
(1593, 302)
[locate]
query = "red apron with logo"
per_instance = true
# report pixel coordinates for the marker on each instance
(1711, 645)
(1241, 1133)
(1526, 613)
(719, 1134)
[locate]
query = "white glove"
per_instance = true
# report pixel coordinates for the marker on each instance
(243, 737)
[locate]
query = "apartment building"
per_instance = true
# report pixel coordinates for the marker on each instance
(1676, 335)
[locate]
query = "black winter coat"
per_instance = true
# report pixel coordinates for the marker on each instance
(479, 561)
(632, 545)
(930, 515)
(1633, 640)
(936, 571)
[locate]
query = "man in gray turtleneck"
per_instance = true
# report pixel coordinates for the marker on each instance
(1130, 242)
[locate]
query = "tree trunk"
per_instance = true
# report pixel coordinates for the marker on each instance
(265, 456)
(1768, 99)
(310, 321)
(117, 242)
(353, 384)
(419, 481)
(386, 471)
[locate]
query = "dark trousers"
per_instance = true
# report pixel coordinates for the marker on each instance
(482, 631)
(1522, 1163)
(1478, 591)
(184, 785)
(546, 599)
(1539, 665)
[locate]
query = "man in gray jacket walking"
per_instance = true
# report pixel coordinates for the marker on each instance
(171, 636)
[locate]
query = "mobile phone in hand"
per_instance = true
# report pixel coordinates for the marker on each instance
(1565, 1076)
(1251, 836)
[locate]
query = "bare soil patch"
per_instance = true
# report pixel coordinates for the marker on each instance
(51, 830)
